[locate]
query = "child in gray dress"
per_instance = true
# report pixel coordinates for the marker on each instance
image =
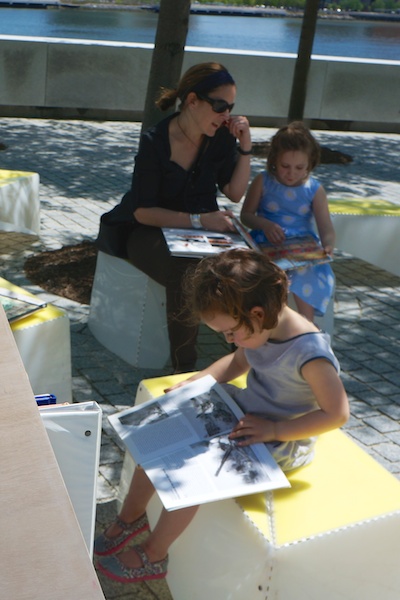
(293, 393)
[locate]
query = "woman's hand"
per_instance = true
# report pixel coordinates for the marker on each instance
(220, 220)
(240, 128)
(252, 429)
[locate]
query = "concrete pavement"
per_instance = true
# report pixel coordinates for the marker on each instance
(85, 167)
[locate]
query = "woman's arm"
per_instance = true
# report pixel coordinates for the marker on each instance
(163, 217)
(273, 232)
(240, 129)
(323, 220)
(333, 410)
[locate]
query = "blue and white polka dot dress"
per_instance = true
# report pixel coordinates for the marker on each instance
(291, 208)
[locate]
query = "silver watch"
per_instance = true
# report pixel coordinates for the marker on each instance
(195, 221)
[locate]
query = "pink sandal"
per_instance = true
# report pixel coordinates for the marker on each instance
(112, 567)
(104, 545)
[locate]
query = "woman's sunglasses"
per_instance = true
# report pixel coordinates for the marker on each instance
(218, 105)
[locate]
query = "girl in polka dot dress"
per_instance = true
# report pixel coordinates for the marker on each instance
(284, 201)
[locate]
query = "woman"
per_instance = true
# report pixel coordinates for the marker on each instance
(181, 164)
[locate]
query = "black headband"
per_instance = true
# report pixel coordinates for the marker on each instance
(211, 82)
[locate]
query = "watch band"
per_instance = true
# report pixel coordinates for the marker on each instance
(195, 221)
(244, 152)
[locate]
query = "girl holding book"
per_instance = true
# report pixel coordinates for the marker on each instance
(293, 394)
(283, 201)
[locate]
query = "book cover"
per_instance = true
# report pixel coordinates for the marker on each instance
(181, 440)
(296, 252)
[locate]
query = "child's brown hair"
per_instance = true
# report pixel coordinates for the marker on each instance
(291, 138)
(234, 282)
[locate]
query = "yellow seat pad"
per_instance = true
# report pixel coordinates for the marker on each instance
(360, 206)
(341, 487)
(48, 313)
(9, 176)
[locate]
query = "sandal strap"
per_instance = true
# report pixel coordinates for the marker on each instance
(123, 524)
(145, 559)
(126, 526)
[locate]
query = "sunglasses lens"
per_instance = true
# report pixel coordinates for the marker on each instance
(220, 106)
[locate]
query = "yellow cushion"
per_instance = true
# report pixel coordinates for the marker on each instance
(342, 486)
(48, 313)
(360, 206)
(9, 176)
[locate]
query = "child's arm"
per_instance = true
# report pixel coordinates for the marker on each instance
(323, 220)
(333, 410)
(273, 232)
(223, 370)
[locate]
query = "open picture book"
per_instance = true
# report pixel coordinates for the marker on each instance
(181, 440)
(293, 253)
(297, 252)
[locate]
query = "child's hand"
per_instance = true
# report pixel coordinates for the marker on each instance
(328, 250)
(253, 429)
(273, 232)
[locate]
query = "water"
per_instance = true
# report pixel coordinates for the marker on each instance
(363, 39)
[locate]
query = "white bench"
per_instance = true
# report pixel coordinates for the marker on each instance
(333, 535)
(43, 341)
(368, 229)
(128, 313)
(19, 201)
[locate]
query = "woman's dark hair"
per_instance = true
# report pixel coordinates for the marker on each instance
(234, 282)
(202, 78)
(294, 137)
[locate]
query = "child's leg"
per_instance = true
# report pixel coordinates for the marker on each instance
(304, 309)
(169, 527)
(135, 503)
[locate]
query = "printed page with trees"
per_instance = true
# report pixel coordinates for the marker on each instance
(181, 440)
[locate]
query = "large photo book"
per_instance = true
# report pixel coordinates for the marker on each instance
(181, 440)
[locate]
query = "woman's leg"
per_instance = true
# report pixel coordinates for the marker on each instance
(147, 251)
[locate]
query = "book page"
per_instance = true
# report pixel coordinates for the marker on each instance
(214, 470)
(199, 242)
(192, 413)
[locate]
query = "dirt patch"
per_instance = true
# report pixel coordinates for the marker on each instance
(67, 272)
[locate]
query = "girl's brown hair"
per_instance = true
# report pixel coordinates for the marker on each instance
(234, 282)
(294, 137)
(202, 78)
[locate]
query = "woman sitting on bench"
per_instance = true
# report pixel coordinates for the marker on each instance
(181, 163)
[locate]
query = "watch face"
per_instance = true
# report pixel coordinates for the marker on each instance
(195, 221)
